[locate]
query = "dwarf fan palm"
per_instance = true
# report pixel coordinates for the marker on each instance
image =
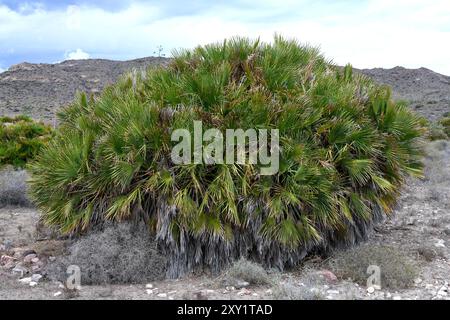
(345, 149)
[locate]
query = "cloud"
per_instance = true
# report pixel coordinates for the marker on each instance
(2, 70)
(370, 33)
(77, 55)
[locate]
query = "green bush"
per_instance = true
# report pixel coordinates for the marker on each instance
(445, 123)
(345, 149)
(21, 138)
(397, 270)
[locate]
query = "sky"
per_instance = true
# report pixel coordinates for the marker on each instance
(365, 33)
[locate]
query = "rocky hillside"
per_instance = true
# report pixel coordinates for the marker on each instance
(40, 89)
(428, 92)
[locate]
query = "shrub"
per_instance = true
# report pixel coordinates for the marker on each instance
(21, 138)
(397, 270)
(248, 271)
(437, 132)
(117, 254)
(13, 187)
(345, 149)
(445, 123)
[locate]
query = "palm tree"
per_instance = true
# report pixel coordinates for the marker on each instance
(345, 150)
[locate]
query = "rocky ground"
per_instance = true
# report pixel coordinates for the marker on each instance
(418, 229)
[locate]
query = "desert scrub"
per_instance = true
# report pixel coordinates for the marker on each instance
(21, 138)
(345, 150)
(114, 254)
(13, 187)
(248, 271)
(397, 269)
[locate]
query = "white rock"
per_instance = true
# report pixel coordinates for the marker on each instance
(162, 295)
(269, 291)
(35, 260)
(56, 294)
(230, 288)
(417, 281)
(255, 294)
(36, 277)
(33, 284)
(397, 298)
(148, 286)
(440, 244)
(25, 280)
(442, 293)
(388, 295)
(19, 270)
(172, 292)
(149, 291)
(333, 292)
(370, 289)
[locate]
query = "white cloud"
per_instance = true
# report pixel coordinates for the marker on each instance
(77, 55)
(381, 33)
(2, 70)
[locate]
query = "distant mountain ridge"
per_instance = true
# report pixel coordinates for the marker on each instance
(39, 90)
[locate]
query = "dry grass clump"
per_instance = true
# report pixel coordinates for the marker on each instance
(13, 187)
(118, 254)
(397, 270)
(248, 271)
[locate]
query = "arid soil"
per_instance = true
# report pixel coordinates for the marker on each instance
(419, 227)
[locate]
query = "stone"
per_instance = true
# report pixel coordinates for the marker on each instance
(172, 292)
(10, 265)
(19, 270)
(397, 298)
(446, 232)
(5, 259)
(35, 268)
(149, 291)
(29, 257)
(269, 291)
(36, 277)
(417, 281)
(148, 286)
(57, 294)
(162, 295)
(333, 292)
(35, 260)
(328, 275)
(440, 244)
(370, 289)
(244, 292)
(33, 284)
(26, 280)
